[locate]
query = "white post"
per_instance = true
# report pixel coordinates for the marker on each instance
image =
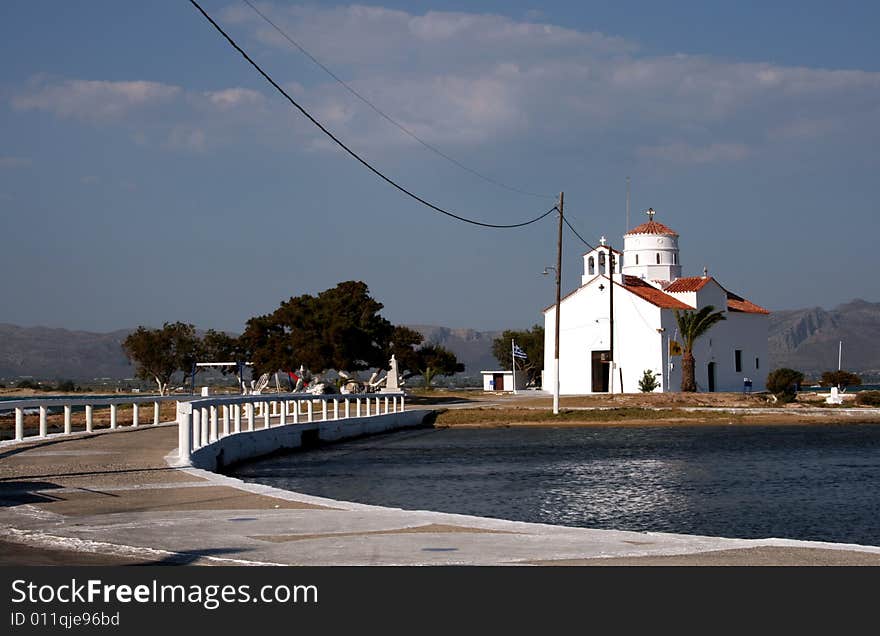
(556, 383)
(134, 414)
(112, 416)
(394, 404)
(386, 405)
(513, 363)
(335, 409)
(347, 407)
(213, 437)
(324, 410)
(67, 425)
(296, 412)
(378, 401)
(249, 407)
(357, 411)
(266, 414)
(237, 418)
(43, 425)
(19, 424)
(309, 410)
(401, 403)
(205, 421)
(225, 420)
(282, 413)
(368, 401)
(196, 419)
(184, 427)
(155, 413)
(88, 418)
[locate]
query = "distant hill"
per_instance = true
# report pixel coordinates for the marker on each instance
(62, 354)
(807, 339)
(472, 348)
(804, 339)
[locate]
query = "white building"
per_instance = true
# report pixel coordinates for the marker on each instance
(647, 288)
(503, 380)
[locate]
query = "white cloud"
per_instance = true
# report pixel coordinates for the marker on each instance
(90, 180)
(678, 152)
(233, 97)
(186, 138)
(92, 100)
(14, 162)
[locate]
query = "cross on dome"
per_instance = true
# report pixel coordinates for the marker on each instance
(602, 241)
(650, 212)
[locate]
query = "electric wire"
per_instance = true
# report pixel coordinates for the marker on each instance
(387, 117)
(351, 152)
(577, 234)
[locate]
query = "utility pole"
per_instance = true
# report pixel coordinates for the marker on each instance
(560, 208)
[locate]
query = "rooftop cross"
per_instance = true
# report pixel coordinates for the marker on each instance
(650, 212)
(602, 241)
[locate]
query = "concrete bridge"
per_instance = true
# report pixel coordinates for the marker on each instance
(148, 493)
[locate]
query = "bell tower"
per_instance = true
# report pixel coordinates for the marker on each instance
(651, 251)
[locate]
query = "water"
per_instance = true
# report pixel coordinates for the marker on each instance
(800, 482)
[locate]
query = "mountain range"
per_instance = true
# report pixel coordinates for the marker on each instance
(803, 339)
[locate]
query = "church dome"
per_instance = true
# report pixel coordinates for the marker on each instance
(652, 227)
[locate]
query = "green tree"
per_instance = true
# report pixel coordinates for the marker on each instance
(692, 325)
(339, 329)
(432, 360)
(159, 353)
(783, 383)
(218, 346)
(532, 342)
(648, 382)
(840, 378)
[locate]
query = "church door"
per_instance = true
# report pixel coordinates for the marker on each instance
(711, 371)
(499, 381)
(600, 371)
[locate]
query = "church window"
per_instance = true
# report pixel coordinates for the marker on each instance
(637, 259)
(757, 363)
(601, 262)
(591, 266)
(658, 258)
(738, 360)
(674, 258)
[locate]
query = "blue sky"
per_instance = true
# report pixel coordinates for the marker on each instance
(147, 173)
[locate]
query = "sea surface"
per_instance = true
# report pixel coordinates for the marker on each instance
(799, 482)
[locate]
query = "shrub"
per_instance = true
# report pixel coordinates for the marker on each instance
(66, 386)
(648, 382)
(868, 398)
(840, 378)
(783, 383)
(27, 384)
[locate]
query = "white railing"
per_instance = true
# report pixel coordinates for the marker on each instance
(43, 406)
(204, 421)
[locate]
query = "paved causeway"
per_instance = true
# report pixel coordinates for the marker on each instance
(112, 498)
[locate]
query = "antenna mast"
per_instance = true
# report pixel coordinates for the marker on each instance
(627, 204)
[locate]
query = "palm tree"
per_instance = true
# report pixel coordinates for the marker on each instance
(692, 325)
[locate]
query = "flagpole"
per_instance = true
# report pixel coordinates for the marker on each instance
(513, 363)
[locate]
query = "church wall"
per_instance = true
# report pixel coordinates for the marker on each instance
(746, 332)
(584, 329)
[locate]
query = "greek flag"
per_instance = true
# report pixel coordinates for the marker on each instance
(518, 352)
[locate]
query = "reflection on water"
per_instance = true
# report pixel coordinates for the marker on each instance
(820, 483)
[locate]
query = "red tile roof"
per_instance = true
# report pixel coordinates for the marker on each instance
(738, 303)
(652, 227)
(688, 284)
(648, 292)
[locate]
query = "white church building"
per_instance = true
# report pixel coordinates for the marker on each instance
(645, 288)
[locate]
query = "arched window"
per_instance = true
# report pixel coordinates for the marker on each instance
(675, 258)
(601, 262)
(637, 259)
(658, 258)
(591, 266)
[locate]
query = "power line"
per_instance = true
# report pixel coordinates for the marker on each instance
(349, 150)
(577, 234)
(387, 117)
